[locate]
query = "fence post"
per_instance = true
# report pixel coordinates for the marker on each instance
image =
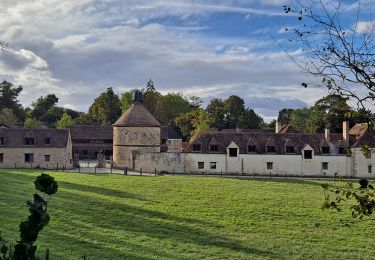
(270, 175)
(237, 174)
(84, 257)
(31, 165)
(79, 168)
(318, 176)
(57, 167)
(254, 175)
(286, 176)
(111, 168)
(95, 169)
(140, 171)
(15, 166)
(205, 173)
(155, 172)
(126, 171)
(301, 175)
(47, 254)
(221, 174)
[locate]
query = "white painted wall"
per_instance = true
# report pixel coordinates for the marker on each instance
(361, 163)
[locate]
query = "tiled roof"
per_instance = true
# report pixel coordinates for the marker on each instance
(362, 134)
(168, 132)
(287, 129)
(137, 115)
(15, 137)
(263, 139)
(91, 132)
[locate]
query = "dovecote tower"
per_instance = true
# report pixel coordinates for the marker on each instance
(136, 131)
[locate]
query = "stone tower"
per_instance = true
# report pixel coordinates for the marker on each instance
(135, 132)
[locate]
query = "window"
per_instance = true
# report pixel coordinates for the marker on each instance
(2, 140)
(163, 141)
(47, 158)
(369, 168)
(1, 157)
(212, 165)
(342, 150)
(270, 149)
(232, 152)
(29, 157)
(307, 154)
(325, 150)
(47, 140)
(200, 165)
(269, 165)
(290, 149)
(29, 141)
(214, 148)
(196, 147)
(251, 149)
(324, 166)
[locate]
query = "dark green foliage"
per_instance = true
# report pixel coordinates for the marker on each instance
(106, 108)
(30, 228)
(42, 105)
(8, 99)
(362, 198)
(46, 183)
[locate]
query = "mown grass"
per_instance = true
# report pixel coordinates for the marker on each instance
(127, 217)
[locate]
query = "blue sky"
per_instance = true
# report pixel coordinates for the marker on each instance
(206, 48)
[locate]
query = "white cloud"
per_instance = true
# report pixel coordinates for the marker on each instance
(365, 27)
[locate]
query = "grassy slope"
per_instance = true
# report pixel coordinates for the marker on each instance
(118, 217)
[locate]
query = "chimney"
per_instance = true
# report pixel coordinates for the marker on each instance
(277, 126)
(326, 134)
(345, 132)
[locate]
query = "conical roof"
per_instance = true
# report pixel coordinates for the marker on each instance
(137, 115)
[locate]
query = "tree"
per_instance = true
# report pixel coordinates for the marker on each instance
(84, 119)
(216, 111)
(193, 122)
(299, 119)
(8, 99)
(8, 117)
(250, 120)
(284, 116)
(234, 109)
(31, 122)
(126, 100)
(170, 106)
(42, 105)
(65, 121)
(106, 108)
(330, 111)
(342, 57)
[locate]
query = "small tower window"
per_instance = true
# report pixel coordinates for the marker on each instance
(369, 168)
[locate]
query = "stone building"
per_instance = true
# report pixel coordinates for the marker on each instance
(140, 143)
(35, 148)
(135, 132)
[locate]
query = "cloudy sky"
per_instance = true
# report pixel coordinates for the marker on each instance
(207, 48)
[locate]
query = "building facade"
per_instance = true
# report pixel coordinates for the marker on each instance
(35, 148)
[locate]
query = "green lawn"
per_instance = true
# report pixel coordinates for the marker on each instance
(127, 217)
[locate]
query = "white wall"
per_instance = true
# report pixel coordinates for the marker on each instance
(361, 163)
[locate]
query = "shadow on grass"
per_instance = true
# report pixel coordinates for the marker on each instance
(154, 224)
(102, 191)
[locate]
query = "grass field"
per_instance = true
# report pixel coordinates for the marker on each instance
(127, 217)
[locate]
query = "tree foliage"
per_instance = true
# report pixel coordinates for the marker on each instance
(106, 108)
(8, 99)
(193, 122)
(65, 121)
(8, 117)
(342, 57)
(32, 123)
(170, 106)
(42, 105)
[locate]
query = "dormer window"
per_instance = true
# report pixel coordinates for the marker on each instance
(2, 140)
(342, 150)
(233, 152)
(163, 141)
(290, 149)
(251, 149)
(29, 141)
(326, 150)
(47, 140)
(214, 148)
(307, 154)
(196, 147)
(270, 149)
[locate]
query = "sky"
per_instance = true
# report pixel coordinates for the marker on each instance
(207, 48)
